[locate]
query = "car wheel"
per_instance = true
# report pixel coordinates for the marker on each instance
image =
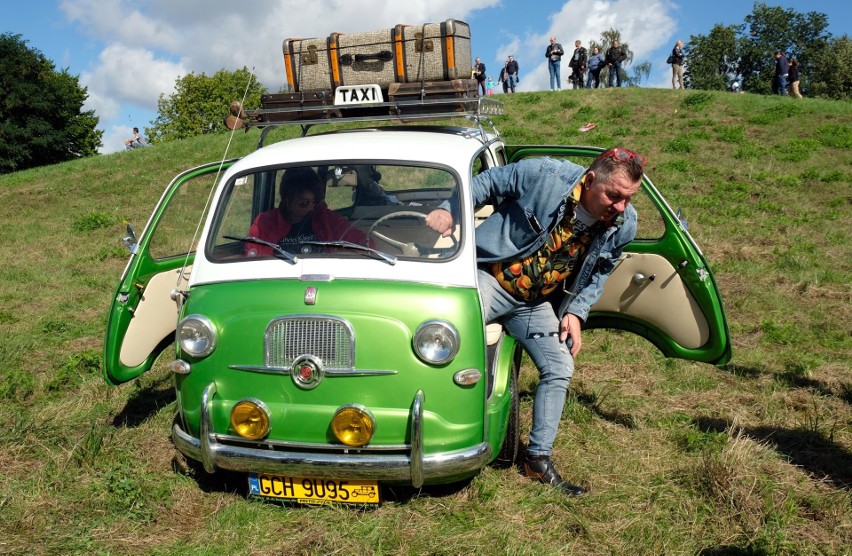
(512, 440)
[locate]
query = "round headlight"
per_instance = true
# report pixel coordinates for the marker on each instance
(250, 419)
(353, 425)
(436, 342)
(196, 335)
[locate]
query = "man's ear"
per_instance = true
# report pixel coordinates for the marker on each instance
(588, 180)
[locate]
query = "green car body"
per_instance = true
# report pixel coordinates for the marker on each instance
(302, 336)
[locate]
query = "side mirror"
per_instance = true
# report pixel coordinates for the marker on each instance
(130, 240)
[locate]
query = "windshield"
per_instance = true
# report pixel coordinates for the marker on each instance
(322, 210)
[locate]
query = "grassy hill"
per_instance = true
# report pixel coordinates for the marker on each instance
(682, 458)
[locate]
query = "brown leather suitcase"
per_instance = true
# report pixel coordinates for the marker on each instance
(323, 100)
(307, 64)
(436, 51)
(434, 97)
(404, 54)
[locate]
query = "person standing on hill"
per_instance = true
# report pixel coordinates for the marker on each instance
(578, 65)
(793, 78)
(554, 55)
(782, 69)
(503, 78)
(614, 57)
(512, 72)
(596, 64)
(479, 75)
(677, 64)
(543, 258)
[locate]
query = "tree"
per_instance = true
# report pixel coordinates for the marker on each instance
(746, 51)
(607, 37)
(200, 103)
(712, 61)
(41, 121)
(829, 84)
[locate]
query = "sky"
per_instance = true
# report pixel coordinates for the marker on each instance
(128, 53)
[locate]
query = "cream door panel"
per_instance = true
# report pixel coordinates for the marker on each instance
(154, 319)
(646, 287)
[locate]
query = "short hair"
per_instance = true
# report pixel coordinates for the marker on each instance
(296, 180)
(135, 129)
(605, 166)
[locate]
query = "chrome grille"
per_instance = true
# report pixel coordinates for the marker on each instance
(328, 338)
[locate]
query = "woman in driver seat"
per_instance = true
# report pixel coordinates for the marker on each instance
(302, 216)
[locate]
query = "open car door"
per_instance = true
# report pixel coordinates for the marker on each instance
(143, 315)
(662, 288)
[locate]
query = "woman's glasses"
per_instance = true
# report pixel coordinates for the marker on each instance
(623, 155)
(305, 203)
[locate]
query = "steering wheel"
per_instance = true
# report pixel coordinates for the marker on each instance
(408, 249)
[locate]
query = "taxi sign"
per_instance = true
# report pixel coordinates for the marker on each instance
(354, 95)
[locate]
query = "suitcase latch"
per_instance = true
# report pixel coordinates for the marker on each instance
(310, 57)
(421, 45)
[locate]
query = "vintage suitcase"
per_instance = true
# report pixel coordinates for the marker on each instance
(307, 64)
(322, 99)
(364, 58)
(436, 51)
(404, 54)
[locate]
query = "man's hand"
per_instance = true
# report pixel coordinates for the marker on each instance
(571, 326)
(441, 221)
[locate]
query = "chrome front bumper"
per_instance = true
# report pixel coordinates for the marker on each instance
(414, 467)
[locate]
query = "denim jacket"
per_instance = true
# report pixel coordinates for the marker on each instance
(532, 197)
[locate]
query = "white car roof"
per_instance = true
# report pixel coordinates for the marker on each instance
(442, 145)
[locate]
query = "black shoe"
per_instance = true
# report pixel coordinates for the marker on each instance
(541, 469)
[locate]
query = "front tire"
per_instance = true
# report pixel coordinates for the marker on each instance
(512, 440)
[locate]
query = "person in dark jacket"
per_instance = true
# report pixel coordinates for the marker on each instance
(512, 72)
(782, 68)
(479, 74)
(578, 65)
(614, 57)
(677, 65)
(793, 79)
(554, 55)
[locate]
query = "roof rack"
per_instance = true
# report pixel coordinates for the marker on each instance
(317, 107)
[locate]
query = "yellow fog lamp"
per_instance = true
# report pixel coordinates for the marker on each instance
(353, 425)
(250, 419)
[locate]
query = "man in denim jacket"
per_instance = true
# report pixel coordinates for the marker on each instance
(553, 239)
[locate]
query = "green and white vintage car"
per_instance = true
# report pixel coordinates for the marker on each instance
(326, 372)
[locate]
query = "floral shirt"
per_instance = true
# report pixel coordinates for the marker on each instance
(540, 274)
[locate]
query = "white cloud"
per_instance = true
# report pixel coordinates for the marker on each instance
(645, 26)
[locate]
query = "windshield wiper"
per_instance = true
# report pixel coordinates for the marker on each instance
(390, 259)
(275, 247)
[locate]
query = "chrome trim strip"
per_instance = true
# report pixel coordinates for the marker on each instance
(417, 440)
(333, 448)
(206, 439)
(369, 466)
(328, 372)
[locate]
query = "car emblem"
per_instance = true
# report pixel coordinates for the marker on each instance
(310, 295)
(307, 372)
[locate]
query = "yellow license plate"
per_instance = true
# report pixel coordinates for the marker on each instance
(305, 490)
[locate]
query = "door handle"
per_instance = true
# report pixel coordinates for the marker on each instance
(640, 279)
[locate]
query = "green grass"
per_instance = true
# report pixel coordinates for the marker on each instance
(682, 458)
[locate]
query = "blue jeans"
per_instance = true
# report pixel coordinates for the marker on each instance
(614, 74)
(513, 82)
(536, 327)
(781, 84)
(553, 66)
